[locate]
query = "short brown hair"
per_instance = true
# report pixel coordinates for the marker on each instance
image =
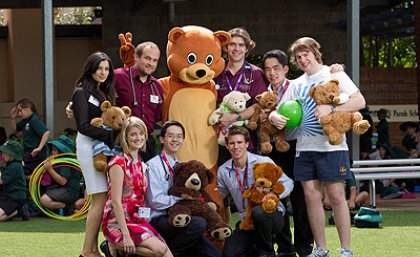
(306, 44)
(140, 47)
(238, 130)
(240, 32)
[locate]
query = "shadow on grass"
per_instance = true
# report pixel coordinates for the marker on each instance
(397, 218)
(43, 224)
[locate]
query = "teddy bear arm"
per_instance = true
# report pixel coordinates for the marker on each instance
(97, 122)
(182, 192)
(214, 117)
(253, 121)
(247, 193)
(207, 197)
(278, 188)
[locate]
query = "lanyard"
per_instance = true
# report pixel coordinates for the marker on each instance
(286, 85)
(237, 82)
(244, 182)
(163, 157)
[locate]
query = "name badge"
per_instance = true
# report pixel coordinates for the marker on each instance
(144, 212)
(154, 99)
(93, 100)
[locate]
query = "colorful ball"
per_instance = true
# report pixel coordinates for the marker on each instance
(291, 109)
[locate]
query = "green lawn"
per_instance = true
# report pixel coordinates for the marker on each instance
(399, 235)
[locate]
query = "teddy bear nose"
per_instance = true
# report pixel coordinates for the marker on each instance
(200, 73)
(195, 182)
(331, 97)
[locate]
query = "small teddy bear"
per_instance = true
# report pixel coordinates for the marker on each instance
(337, 122)
(266, 177)
(190, 181)
(266, 103)
(112, 118)
(234, 102)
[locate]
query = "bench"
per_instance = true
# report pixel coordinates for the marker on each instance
(371, 170)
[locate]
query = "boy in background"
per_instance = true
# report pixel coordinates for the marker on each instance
(13, 195)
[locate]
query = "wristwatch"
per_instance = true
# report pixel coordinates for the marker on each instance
(238, 118)
(333, 108)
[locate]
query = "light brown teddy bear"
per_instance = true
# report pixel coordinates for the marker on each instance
(336, 123)
(234, 102)
(267, 103)
(266, 177)
(112, 118)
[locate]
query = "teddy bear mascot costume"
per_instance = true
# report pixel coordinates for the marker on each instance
(194, 58)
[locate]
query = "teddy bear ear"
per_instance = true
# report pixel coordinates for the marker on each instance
(246, 96)
(335, 81)
(175, 33)
(227, 97)
(311, 92)
(256, 165)
(223, 37)
(127, 111)
(279, 171)
(258, 97)
(105, 105)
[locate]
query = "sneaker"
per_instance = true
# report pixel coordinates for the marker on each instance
(318, 252)
(24, 212)
(345, 252)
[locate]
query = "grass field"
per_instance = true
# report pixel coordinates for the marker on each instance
(399, 235)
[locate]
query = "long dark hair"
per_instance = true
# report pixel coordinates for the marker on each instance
(89, 84)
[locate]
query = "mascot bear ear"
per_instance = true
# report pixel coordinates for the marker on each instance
(223, 37)
(175, 33)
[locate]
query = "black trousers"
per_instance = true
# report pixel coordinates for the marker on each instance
(186, 241)
(246, 243)
(303, 238)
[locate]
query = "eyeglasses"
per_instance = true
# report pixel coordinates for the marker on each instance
(177, 137)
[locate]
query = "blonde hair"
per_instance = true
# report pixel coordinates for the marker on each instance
(130, 123)
(305, 44)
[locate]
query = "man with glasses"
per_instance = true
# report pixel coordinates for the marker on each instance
(183, 241)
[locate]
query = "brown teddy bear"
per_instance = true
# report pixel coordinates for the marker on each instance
(234, 102)
(266, 177)
(336, 123)
(267, 103)
(190, 181)
(112, 118)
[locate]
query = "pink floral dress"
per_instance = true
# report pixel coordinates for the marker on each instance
(134, 188)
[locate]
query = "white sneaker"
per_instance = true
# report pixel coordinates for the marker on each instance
(345, 252)
(318, 252)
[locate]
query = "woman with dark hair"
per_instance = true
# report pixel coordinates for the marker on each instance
(92, 88)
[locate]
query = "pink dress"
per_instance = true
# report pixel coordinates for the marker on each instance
(134, 188)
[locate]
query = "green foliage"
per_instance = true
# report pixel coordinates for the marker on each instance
(2, 17)
(74, 15)
(388, 52)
